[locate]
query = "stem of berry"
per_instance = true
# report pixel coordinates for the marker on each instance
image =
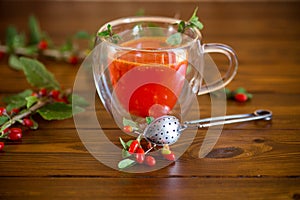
(20, 116)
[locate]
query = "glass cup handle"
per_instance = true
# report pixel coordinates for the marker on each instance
(232, 67)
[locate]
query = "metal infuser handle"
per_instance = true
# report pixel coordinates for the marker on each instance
(214, 121)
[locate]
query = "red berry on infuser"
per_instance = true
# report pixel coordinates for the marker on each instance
(133, 146)
(15, 134)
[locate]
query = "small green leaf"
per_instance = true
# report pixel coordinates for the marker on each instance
(14, 62)
(56, 111)
(3, 119)
(68, 46)
(104, 33)
(11, 32)
(77, 100)
(128, 143)
(32, 49)
(82, 35)
(240, 90)
(149, 120)
(17, 101)
(181, 27)
(125, 153)
(128, 122)
(37, 75)
(126, 163)
(249, 95)
(31, 100)
(123, 144)
(174, 39)
(34, 30)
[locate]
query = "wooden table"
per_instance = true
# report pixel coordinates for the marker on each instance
(249, 161)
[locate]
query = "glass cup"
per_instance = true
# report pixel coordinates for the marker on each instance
(138, 72)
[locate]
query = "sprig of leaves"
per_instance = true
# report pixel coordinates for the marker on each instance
(193, 22)
(39, 43)
(29, 103)
(108, 33)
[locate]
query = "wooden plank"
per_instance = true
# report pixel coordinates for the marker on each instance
(150, 188)
(237, 153)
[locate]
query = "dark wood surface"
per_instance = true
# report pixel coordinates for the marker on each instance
(250, 160)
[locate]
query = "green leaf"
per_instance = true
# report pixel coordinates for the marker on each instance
(123, 144)
(128, 143)
(181, 27)
(128, 122)
(14, 62)
(68, 46)
(77, 100)
(56, 111)
(17, 101)
(11, 32)
(37, 75)
(240, 90)
(125, 153)
(31, 100)
(126, 163)
(82, 35)
(104, 33)
(174, 39)
(149, 120)
(34, 30)
(3, 119)
(32, 49)
(194, 20)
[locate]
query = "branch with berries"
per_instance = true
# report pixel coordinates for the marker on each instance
(49, 101)
(40, 44)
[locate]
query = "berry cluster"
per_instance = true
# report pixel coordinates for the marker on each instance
(239, 95)
(15, 133)
(133, 148)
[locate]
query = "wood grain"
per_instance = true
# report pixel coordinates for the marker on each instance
(252, 160)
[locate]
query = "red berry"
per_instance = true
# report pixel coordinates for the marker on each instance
(54, 94)
(34, 94)
(128, 129)
(15, 134)
(133, 146)
(43, 44)
(150, 161)
(170, 156)
(14, 111)
(1, 54)
(2, 111)
(1, 146)
(240, 97)
(43, 92)
(140, 156)
(73, 60)
(27, 122)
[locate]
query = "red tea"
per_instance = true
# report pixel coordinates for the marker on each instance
(148, 83)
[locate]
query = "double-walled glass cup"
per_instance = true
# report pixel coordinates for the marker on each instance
(146, 68)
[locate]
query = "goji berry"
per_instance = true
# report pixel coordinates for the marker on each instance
(43, 44)
(1, 146)
(15, 134)
(170, 156)
(2, 111)
(150, 161)
(27, 122)
(240, 97)
(128, 129)
(73, 60)
(43, 92)
(54, 94)
(133, 146)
